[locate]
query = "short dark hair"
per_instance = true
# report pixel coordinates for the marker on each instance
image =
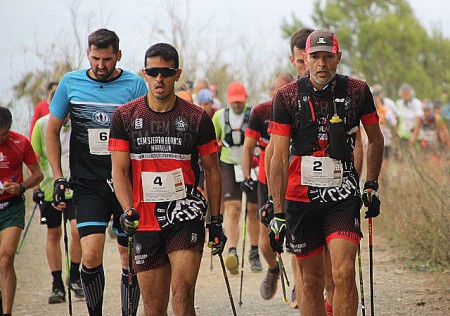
(103, 38)
(299, 37)
(166, 51)
(5, 117)
(51, 84)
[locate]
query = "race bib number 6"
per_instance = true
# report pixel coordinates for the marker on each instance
(321, 172)
(163, 186)
(98, 141)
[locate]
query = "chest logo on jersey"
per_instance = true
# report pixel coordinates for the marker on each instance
(101, 118)
(138, 123)
(181, 124)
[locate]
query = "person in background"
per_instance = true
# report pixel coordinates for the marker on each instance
(199, 84)
(50, 216)
(409, 108)
(206, 101)
(216, 102)
(41, 108)
(230, 125)
(15, 151)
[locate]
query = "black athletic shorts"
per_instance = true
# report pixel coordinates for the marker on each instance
(263, 194)
(231, 190)
(95, 202)
(313, 225)
(52, 217)
(151, 249)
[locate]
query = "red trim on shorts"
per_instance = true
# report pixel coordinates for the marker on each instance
(279, 129)
(208, 148)
(309, 255)
(351, 236)
(115, 144)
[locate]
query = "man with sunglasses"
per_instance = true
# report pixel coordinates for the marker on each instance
(91, 96)
(162, 137)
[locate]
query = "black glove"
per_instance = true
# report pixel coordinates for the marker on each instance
(277, 232)
(265, 213)
(129, 221)
(217, 238)
(38, 196)
(60, 186)
(371, 199)
(248, 185)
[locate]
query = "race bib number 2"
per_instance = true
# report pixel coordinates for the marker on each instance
(98, 141)
(163, 186)
(321, 172)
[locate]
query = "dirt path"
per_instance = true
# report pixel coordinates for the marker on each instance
(398, 291)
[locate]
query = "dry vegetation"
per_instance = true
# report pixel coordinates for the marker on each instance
(415, 207)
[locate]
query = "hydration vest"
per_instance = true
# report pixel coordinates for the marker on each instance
(305, 128)
(241, 130)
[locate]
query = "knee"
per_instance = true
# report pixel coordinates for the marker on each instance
(6, 261)
(91, 259)
(343, 275)
(54, 234)
(313, 281)
(182, 295)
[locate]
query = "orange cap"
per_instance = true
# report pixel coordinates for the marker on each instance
(236, 92)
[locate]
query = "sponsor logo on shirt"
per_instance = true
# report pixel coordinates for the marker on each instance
(101, 118)
(181, 124)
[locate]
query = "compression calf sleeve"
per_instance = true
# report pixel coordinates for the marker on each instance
(93, 281)
(74, 271)
(135, 293)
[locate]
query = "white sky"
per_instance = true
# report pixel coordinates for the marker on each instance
(25, 25)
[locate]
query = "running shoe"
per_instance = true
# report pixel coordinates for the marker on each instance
(77, 289)
(255, 263)
(269, 285)
(294, 303)
(232, 262)
(57, 296)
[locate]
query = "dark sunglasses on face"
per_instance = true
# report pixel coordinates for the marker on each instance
(164, 71)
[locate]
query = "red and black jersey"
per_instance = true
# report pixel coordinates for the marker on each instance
(309, 133)
(257, 129)
(161, 142)
(14, 152)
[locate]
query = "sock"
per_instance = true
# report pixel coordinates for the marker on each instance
(232, 250)
(253, 247)
(57, 281)
(93, 281)
(275, 270)
(74, 271)
(135, 292)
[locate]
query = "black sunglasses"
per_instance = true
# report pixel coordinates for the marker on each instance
(164, 71)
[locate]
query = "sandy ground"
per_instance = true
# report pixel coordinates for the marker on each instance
(397, 290)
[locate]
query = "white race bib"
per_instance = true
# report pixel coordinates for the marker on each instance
(239, 174)
(98, 141)
(321, 172)
(163, 186)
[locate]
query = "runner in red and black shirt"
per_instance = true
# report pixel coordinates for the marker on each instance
(256, 133)
(316, 192)
(161, 137)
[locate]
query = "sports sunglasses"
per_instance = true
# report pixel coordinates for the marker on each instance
(164, 71)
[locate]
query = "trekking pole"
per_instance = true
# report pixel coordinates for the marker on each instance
(283, 286)
(66, 249)
(286, 277)
(230, 295)
(361, 283)
(130, 274)
(243, 205)
(26, 229)
(372, 312)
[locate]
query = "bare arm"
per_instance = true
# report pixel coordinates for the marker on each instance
(34, 179)
(120, 174)
(213, 181)
(279, 170)
(415, 133)
(374, 151)
(247, 156)
(267, 159)
(54, 145)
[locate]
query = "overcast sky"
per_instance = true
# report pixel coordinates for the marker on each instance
(31, 24)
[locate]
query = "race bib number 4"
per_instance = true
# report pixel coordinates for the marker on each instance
(163, 186)
(321, 172)
(98, 141)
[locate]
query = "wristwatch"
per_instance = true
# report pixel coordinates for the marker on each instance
(22, 189)
(217, 218)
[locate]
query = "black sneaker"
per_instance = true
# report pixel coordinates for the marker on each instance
(269, 285)
(77, 289)
(255, 263)
(57, 296)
